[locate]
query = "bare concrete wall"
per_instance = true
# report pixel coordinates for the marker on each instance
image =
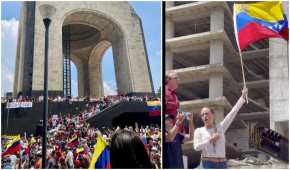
(238, 136)
(279, 82)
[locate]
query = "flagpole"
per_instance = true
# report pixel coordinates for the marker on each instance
(240, 53)
(243, 74)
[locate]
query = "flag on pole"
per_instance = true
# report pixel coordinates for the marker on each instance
(7, 140)
(154, 108)
(258, 21)
(13, 146)
(101, 156)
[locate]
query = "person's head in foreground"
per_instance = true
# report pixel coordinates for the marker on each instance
(128, 151)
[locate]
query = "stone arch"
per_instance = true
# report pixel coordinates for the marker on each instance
(116, 22)
(111, 34)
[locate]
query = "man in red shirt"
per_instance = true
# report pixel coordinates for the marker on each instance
(171, 100)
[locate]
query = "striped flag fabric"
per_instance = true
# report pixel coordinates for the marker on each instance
(7, 139)
(153, 108)
(13, 146)
(101, 156)
(73, 142)
(258, 21)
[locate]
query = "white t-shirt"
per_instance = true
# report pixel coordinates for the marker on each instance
(69, 159)
(202, 135)
(13, 159)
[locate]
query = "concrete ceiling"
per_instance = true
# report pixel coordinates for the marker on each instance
(80, 36)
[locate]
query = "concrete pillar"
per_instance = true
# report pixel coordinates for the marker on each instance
(80, 80)
(95, 78)
(216, 52)
(137, 58)
(169, 60)
(169, 28)
(121, 64)
(83, 78)
(217, 19)
(279, 85)
(17, 66)
(216, 57)
(20, 68)
(279, 78)
(216, 79)
(169, 4)
(95, 69)
(55, 53)
(169, 34)
(215, 85)
(86, 79)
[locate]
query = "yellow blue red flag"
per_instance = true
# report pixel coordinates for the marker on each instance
(101, 156)
(13, 146)
(257, 21)
(153, 108)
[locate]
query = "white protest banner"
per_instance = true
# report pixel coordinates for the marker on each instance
(13, 105)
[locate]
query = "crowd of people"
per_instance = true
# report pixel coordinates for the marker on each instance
(108, 99)
(209, 139)
(71, 140)
(71, 143)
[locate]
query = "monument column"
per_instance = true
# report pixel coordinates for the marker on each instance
(55, 55)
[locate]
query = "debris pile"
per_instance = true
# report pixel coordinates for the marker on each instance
(259, 161)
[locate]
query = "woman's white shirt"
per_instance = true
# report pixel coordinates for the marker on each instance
(202, 135)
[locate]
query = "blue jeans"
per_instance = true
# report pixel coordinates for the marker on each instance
(211, 165)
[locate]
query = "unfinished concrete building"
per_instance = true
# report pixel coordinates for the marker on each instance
(201, 49)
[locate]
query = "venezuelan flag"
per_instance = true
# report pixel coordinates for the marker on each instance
(257, 21)
(154, 108)
(101, 156)
(7, 139)
(73, 142)
(12, 147)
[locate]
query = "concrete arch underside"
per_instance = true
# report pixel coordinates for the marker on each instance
(89, 70)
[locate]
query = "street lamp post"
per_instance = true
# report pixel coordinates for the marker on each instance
(46, 11)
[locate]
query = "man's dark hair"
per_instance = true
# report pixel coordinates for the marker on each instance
(128, 151)
(148, 139)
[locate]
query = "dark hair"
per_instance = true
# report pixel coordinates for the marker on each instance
(128, 151)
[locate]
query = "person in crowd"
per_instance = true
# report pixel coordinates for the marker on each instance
(174, 139)
(51, 163)
(61, 156)
(62, 128)
(171, 100)
(128, 151)
(6, 163)
(210, 139)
